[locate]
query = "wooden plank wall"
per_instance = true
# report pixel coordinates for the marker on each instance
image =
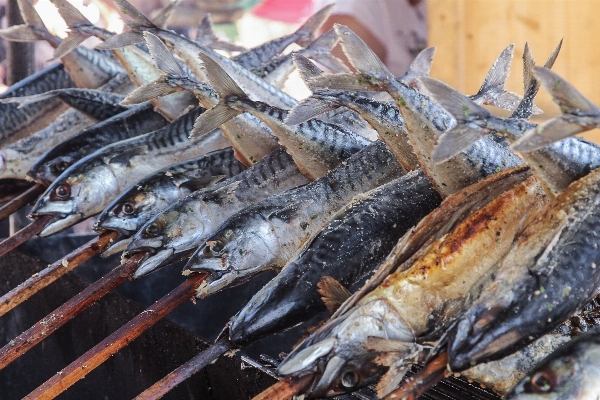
(469, 35)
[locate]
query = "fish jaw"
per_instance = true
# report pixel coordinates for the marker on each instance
(152, 262)
(243, 246)
(339, 352)
(115, 247)
(59, 225)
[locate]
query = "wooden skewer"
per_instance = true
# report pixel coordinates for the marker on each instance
(284, 389)
(422, 381)
(183, 372)
(50, 274)
(88, 296)
(117, 340)
(21, 200)
(24, 234)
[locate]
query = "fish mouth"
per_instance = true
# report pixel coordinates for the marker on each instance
(57, 225)
(152, 262)
(116, 247)
(216, 281)
(140, 245)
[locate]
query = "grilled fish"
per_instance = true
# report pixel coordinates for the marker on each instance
(144, 199)
(88, 186)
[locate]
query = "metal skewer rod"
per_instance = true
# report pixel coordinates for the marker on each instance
(418, 384)
(284, 389)
(21, 200)
(183, 372)
(24, 234)
(57, 318)
(54, 271)
(117, 340)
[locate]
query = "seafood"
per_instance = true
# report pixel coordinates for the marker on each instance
(183, 226)
(145, 198)
(389, 326)
(267, 234)
(549, 274)
(356, 239)
(423, 118)
(88, 186)
(134, 122)
(572, 372)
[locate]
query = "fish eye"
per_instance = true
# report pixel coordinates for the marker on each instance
(62, 165)
(541, 382)
(152, 230)
(216, 247)
(349, 379)
(128, 208)
(62, 192)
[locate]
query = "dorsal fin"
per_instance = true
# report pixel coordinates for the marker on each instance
(333, 293)
(421, 66)
(306, 32)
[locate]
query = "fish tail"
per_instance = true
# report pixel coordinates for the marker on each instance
(206, 32)
(464, 110)
(493, 90)
(306, 33)
(314, 105)
(320, 51)
(163, 15)
(76, 22)
(162, 86)
(578, 114)
(227, 89)
(32, 30)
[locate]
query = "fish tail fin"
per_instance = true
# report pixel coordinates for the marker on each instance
(226, 87)
(164, 14)
(579, 114)
(420, 67)
(76, 22)
(133, 36)
(139, 19)
(493, 91)
(464, 110)
(320, 51)
(206, 32)
(306, 33)
(314, 105)
(32, 30)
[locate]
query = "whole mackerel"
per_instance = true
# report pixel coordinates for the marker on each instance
(88, 186)
(268, 233)
(128, 212)
(134, 122)
(182, 227)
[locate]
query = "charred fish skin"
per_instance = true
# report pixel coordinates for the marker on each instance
(144, 199)
(572, 372)
(417, 302)
(348, 249)
(89, 185)
(136, 121)
(550, 273)
(180, 228)
(268, 233)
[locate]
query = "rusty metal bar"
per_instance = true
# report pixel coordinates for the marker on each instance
(21, 200)
(24, 234)
(45, 277)
(284, 389)
(25, 341)
(423, 380)
(117, 340)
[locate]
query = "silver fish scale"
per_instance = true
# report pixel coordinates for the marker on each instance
(220, 161)
(256, 56)
(487, 157)
(50, 78)
(176, 132)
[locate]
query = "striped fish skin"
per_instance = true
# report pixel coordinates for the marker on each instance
(182, 227)
(268, 233)
(18, 123)
(19, 157)
(89, 185)
(147, 197)
(349, 248)
(134, 122)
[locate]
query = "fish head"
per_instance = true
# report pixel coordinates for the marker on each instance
(80, 192)
(338, 353)
(131, 210)
(242, 246)
(168, 236)
(569, 373)
(49, 167)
